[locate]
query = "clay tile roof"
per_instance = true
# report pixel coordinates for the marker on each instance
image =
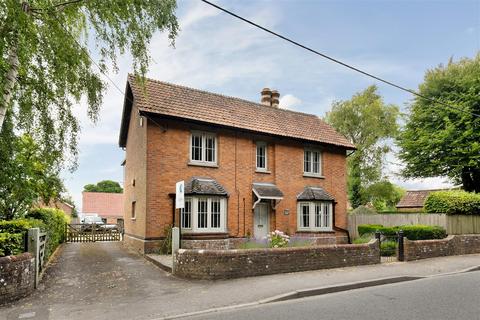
(186, 103)
(267, 190)
(413, 199)
(204, 186)
(315, 193)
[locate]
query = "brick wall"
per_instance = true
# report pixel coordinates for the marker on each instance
(226, 264)
(166, 148)
(452, 245)
(17, 277)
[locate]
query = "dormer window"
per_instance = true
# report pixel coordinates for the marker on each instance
(203, 148)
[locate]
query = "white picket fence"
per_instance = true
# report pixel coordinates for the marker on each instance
(456, 224)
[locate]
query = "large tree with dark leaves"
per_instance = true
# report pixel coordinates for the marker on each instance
(445, 141)
(44, 68)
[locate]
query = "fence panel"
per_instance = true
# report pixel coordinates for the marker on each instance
(460, 224)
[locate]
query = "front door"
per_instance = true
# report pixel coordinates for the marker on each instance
(260, 221)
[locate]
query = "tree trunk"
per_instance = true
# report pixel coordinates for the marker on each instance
(9, 82)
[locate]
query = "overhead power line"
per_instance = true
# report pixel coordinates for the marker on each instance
(346, 65)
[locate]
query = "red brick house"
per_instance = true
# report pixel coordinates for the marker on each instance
(108, 206)
(248, 168)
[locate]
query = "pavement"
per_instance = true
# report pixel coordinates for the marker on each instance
(102, 280)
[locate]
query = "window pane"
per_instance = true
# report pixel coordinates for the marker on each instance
(210, 149)
(215, 213)
(307, 166)
(305, 219)
(187, 215)
(261, 156)
(316, 162)
(197, 147)
(326, 215)
(202, 213)
(318, 215)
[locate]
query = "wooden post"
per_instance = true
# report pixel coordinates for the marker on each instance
(33, 248)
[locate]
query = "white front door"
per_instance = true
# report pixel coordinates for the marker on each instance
(260, 221)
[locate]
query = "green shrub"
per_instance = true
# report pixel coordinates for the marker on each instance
(54, 221)
(363, 239)
(11, 244)
(453, 202)
(388, 248)
(19, 225)
(412, 232)
(362, 210)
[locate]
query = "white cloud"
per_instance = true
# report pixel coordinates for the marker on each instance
(289, 101)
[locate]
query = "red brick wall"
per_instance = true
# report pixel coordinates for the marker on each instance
(226, 264)
(167, 158)
(106, 205)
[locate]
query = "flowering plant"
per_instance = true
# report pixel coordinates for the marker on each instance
(278, 239)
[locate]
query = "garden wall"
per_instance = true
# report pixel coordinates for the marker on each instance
(450, 246)
(17, 277)
(226, 264)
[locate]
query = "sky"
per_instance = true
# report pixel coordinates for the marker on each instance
(397, 40)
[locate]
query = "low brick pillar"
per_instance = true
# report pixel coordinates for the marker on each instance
(226, 264)
(17, 277)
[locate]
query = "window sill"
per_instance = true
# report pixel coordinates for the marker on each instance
(203, 164)
(133, 219)
(315, 231)
(262, 171)
(313, 175)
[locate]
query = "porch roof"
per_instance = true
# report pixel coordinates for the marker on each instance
(204, 186)
(267, 191)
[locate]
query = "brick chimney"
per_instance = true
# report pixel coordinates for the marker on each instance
(266, 97)
(270, 97)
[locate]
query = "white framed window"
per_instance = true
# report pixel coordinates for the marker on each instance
(261, 158)
(312, 162)
(203, 148)
(315, 216)
(204, 214)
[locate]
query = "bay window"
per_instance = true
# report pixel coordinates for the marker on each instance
(204, 214)
(315, 216)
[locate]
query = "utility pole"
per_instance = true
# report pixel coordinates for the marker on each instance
(12, 73)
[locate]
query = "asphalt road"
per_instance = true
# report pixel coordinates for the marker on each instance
(455, 297)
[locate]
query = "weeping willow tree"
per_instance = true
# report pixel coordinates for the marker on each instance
(44, 66)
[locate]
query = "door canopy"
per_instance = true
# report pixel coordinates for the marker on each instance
(267, 191)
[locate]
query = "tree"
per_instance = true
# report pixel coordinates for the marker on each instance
(108, 186)
(441, 141)
(44, 68)
(384, 195)
(27, 176)
(368, 123)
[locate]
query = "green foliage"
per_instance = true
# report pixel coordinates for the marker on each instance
(363, 239)
(278, 239)
(384, 195)
(453, 202)
(20, 225)
(54, 73)
(388, 248)
(11, 244)
(412, 232)
(252, 245)
(367, 122)
(166, 247)
(442, 141)
(54, 221)
(27, 175)
(362, 210)
(104, 186)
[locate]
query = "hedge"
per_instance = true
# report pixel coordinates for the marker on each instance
(54, 220)
(412, 232)
(453, 202)
(51, 221)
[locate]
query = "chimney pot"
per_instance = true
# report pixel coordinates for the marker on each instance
(266, 96)
(275, 98)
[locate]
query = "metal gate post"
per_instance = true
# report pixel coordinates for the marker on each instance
(401, 254)
(378, 237)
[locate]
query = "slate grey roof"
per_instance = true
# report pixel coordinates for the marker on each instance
(204, 186)
(267, 190)
(315, 193)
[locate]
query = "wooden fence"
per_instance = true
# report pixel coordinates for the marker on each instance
(92, 233)
(456, 224)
